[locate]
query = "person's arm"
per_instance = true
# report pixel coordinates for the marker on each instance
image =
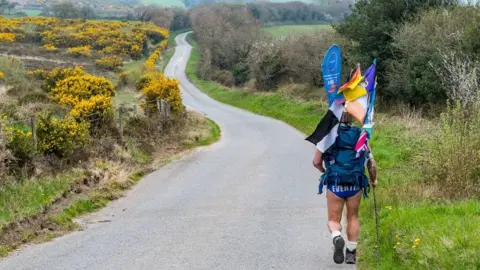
(318, 161)
(372, 171)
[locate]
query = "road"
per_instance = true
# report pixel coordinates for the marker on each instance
(247, 202)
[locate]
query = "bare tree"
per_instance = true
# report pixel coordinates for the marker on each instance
(65, 10)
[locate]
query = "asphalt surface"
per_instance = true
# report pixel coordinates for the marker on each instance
(247, 202)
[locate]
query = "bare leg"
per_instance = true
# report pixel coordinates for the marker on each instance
(353, 227)
(335, 208)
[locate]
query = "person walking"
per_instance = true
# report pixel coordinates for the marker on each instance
(343, 168)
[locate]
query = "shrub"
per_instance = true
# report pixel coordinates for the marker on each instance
(80, 51)
(95, 106)
(241, 73)
(144, 80)
(5, 156)
(161, 87)
(49, 47)
(112, 63)
(20, 144)
(51, 78)
(7, 37)
(74, 89)
(13, 71)
(413, 77)
(152, 60)
(453, 159)
(61, 137)
(371, 24)
(122, 80)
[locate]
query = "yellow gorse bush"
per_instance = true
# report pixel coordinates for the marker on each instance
(49, 47)
(110, 63)
(96, 106)
(80, 51)
(152, 60)
(51, 78)
(2, 76)
(61, 137)
(7, 37)
(161, 87)
(19, 141)
(74, 89)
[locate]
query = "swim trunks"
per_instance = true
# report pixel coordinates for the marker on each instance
(344, 192)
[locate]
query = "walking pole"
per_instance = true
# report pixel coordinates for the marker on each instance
(377, 225)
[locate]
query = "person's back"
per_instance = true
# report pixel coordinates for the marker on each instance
(343, 168)
(345, 163)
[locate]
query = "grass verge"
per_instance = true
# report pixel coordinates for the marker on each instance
(418, 231)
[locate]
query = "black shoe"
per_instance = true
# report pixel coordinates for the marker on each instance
(351, 256)
(338, 245)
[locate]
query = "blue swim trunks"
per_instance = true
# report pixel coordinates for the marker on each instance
(343, 191)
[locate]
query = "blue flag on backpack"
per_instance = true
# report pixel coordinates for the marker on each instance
(332, 71)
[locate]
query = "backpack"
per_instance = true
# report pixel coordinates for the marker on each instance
(343, 164)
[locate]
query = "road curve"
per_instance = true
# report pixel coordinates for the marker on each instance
(247, 202)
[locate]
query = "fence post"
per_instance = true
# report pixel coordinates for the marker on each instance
(168, 110)
(1, 137)
(33, 123)
(120, 119)
(135, 109)
(159, 107)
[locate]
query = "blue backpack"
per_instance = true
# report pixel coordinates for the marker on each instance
(344, 166)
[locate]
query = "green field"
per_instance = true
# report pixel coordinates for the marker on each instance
(415, 232)
(32, 12)
(288, 30)
(166, 3)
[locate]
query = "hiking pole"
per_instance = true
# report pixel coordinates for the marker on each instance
(377, 225)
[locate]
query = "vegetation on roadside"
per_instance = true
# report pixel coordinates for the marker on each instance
(71, 139)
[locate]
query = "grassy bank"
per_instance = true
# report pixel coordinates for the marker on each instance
(418, 231)
(41, 209)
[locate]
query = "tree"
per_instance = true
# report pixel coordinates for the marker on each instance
(87, 13)
(11, 7)
(372, 23)
(65, 10)
(3, 5)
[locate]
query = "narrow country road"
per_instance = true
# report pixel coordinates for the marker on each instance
(247, 202)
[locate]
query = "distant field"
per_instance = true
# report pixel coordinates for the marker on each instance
(287, 30)
(32, 12)
(168, 3)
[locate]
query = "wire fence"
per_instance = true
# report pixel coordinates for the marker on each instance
(159, 109)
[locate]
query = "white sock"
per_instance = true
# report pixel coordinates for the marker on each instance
(351, 245)
(335, 234)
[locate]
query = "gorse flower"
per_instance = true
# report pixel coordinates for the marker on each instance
(416, 243)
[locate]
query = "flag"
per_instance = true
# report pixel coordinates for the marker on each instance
(326, 132)
(370, 78)
(358, 108)
(362, 143)
(354, 88)
(331, 71)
